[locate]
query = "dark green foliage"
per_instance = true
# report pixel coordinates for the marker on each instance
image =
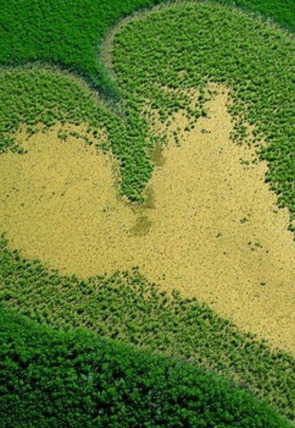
(281, 12)
(65, 33)
(52, 379)
(126, 307)
(68, 33)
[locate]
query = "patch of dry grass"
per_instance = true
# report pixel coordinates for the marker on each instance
(210, 228)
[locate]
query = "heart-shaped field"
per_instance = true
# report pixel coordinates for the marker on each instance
(190, 177)
(210, 227)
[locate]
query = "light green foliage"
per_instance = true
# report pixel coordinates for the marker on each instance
(126, 307)
(36, 95)
(188, 46)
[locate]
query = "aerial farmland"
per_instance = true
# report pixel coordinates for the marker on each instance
(147, 213)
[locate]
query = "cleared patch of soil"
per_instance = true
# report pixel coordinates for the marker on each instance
(210, 228)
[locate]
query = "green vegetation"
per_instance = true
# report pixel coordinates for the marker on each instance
(36, 95)
(261, 87)
(50, 379)
(126, 307)
(198, 44)
(179, 47)
(69, 33)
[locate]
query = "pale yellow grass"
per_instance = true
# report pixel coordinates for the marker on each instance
(210, 228)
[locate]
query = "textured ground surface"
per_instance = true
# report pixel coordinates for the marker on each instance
(210, 227)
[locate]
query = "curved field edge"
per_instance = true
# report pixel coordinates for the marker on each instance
(126, 307)
(36, 95)
(69, 34)
(60, 204)
(79, 115)
(261, 89)
(78, 379)
(199, 44)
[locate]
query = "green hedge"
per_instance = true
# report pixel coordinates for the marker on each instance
(52, 379)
